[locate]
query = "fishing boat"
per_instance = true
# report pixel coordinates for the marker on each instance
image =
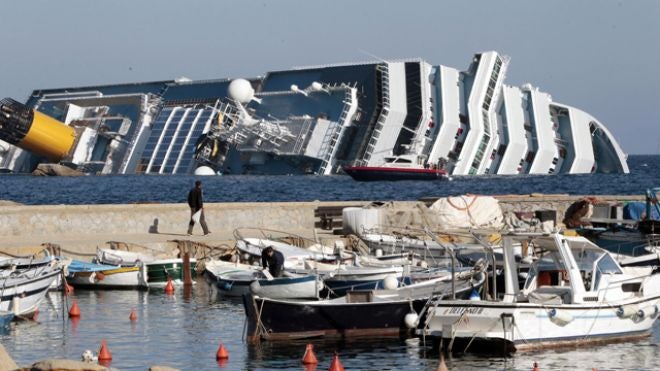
(103, 276)
(239, 282)
(22, 290)
(288, 287)
(392, 312)
(345, 279)
(158, 271)
(575, 293)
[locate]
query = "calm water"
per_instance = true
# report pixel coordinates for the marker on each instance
(645, 173)
(184, 333)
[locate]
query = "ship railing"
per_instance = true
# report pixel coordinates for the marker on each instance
(337, 132)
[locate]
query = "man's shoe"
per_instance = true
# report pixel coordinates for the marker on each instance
(207, 233)
(189, 234)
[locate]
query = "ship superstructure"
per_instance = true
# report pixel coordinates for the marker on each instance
(316, 120)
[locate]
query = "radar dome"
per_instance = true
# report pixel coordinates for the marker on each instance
(204, 170)
(241, 90)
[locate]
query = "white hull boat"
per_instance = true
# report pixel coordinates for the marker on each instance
(110, 277)
(302, 287)
(22, 291)
(575, 293)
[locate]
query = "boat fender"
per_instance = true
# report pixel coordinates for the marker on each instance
(255, 287)
(650, 311)
(560, 317)
(390, 282)
(411, 320)
(627, 311)
(379, 253)
(474, 295)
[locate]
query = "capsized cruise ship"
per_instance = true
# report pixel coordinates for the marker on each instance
(311, 120)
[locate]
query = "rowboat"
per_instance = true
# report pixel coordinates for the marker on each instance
(22, 290)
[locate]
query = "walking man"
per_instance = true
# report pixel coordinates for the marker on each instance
(196, 204)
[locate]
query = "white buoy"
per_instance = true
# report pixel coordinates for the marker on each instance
(649, 311)
(241, 90)
(390, 282)
(560, 317)
(204, 170)
(411, 320)
(627, 311)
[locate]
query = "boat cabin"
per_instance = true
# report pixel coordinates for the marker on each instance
(569, 270)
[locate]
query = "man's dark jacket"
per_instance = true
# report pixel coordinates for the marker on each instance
(195, 199)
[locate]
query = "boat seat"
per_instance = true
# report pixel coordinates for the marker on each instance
(551, 295)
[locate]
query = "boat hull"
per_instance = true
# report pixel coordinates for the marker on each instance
(325, 320)
(374, 173)
(128, 278)
(306, 287)
(22, 296)
(507, 328)
(158, 271)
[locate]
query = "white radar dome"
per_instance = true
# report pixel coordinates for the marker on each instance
(241, 90)
(204, 170)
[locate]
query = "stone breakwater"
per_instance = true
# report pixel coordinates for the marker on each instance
(84, 227)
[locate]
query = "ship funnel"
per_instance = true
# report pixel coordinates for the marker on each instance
(33, 131)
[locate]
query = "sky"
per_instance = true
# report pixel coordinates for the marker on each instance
(597, 55)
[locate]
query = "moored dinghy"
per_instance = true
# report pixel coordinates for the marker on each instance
(102, 276)
(575, 293)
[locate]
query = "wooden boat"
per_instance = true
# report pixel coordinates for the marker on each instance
(290, 287)
(102, 276)
(158, 271)
(360, 313)
(22, 290)
(575, 294)
(346, 279)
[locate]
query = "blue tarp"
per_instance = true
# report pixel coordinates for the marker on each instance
(81, 266)
(635, 211)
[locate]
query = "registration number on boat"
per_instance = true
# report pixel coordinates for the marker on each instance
(461, 310)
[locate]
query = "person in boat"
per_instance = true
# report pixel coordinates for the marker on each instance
(196, 203)
(273, 260)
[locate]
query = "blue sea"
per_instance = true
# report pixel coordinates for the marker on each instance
(117, 189)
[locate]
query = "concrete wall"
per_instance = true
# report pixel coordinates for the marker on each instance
(143, 218)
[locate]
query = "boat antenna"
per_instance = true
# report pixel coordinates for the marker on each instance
(373, 55)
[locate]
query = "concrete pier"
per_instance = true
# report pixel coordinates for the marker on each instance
(81, 228)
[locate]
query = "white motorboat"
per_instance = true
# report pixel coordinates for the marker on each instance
(21, 290)
(575, 293)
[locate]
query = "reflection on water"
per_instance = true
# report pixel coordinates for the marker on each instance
(184, 331)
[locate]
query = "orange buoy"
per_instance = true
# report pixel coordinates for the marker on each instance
(74, 311)
(35, 314)
(221, 353)
(442, 366)
(336, 363)
(104, 353)
(536, 366)
(132, 316)
(309, 358)
(169, 288)
(100, 276)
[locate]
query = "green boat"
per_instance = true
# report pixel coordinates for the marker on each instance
(159, 270)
